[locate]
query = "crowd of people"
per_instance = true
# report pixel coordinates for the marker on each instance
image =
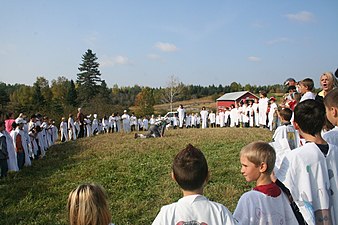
(295, 175)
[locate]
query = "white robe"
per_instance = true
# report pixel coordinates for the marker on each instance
(63, 130)
(181, 115)
(204, 118)
(273, 108)
(262, 110)
(307, 95)
(256, 208)
(12, 158)
(331, 136)
(305, 172)
(194, 208)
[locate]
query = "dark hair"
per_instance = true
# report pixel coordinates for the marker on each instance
(190, 168)
(310, 116)
(285, 113)
(331, 99)
(262, 92)
(2, 123)
(14, 125)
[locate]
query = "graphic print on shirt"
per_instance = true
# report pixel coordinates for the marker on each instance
(263, 218)
(191, 223)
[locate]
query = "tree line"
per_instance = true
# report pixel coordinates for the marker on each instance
(62, 96)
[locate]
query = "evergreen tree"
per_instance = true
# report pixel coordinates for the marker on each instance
(71, 94)
(89, 78)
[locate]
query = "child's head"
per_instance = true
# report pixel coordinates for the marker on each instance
(190, 168)
(309, 116)
(331, 106)
(87, 204)
(285, 114)
(306, 85)
(261, 155)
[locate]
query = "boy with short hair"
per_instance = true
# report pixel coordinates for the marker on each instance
(190, 171)
(305, 87)
(310, 171)
(266, 203)
(286, 137)
(331, 106)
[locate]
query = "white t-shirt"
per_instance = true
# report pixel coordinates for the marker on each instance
(304, 171)
(331, 136)
(194, 208)
(307, 95)
(256, 208)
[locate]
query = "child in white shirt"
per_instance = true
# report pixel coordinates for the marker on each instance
(190, 171)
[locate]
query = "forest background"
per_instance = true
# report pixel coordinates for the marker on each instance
(62, 96)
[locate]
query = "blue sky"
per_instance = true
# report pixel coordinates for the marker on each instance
(145, 42)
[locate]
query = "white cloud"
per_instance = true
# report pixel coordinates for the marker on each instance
(91, 39)
(112, 61)
(278, 40)
(166, 47)
(254, 59)
(303, 17)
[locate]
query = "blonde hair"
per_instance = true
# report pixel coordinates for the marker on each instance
(258, 152)
(331, 78)
(87, 204)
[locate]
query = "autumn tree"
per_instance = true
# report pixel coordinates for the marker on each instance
(89, 78)
(145, 102)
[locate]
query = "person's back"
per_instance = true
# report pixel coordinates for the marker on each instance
(266, 203)
(190, 171)
(304, 170)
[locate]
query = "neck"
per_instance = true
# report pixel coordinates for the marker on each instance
(195, 192)
(315, 139)
(263, 180)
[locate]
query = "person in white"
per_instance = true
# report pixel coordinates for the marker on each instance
(117, 122)
(262, 109)
(204, 117)
(245, 116)
(250, 113)
(63, 129)
(218, 123)
(181, 115)
(95, 125)
(305, 87)
(331, 108)
(285, 138)
(188, 121)
(145, 123)
(227, 117)
(221, 115)
(266, 203)
(233, 116)
(256, 114)
(112, 122)
(12, 158)
(272, 111)
(193, 120)
(126, 122)
(193, 207)
(310, 171)
(71, 128)
(88, 123)
(133, 122)
(212, 119)
(105, 124)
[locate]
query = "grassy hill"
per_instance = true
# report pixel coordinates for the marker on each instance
(134, 172)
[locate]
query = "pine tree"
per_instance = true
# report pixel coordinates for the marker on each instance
(88, 79)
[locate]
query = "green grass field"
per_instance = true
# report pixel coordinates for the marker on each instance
(134, 172)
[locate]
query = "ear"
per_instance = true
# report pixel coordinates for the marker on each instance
(173, 176)
(295, 124)
(263, 167)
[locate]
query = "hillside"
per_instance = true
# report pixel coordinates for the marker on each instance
(135, 173)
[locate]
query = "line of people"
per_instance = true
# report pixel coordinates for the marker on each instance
(22, 141)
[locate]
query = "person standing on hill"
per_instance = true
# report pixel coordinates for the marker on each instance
(262, 108)
(181, 115)
(80, 118)
(204, 117)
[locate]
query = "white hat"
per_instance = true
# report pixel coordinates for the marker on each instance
(20, 120)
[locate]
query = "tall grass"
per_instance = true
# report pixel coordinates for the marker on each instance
(134, 172)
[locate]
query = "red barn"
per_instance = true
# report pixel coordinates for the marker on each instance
(228, 99)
